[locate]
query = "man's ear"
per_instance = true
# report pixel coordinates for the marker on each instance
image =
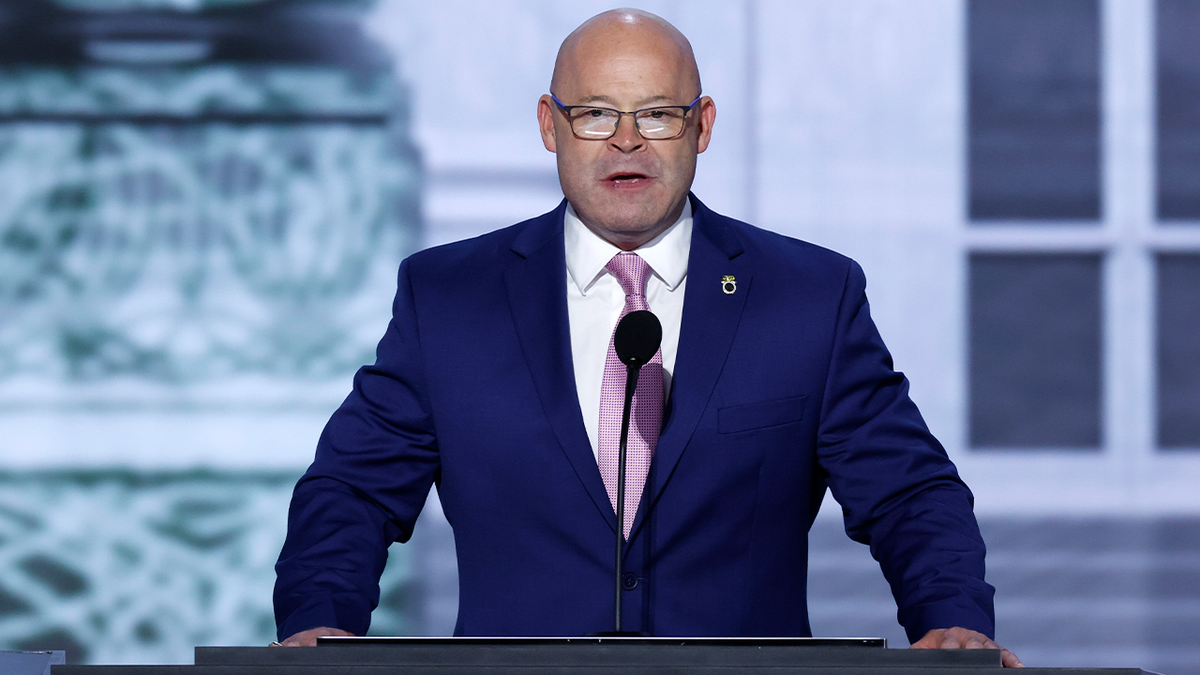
(545, 114)
(708, 114)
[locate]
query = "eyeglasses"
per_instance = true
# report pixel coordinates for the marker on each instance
(662, 123)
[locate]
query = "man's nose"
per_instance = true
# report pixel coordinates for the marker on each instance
(627, 139)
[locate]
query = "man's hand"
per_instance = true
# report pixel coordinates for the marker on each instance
(961, 638)
(308, 638)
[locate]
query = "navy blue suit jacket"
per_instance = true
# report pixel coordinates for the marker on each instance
(780, 389)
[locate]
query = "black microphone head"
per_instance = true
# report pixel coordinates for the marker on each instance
(637, 338)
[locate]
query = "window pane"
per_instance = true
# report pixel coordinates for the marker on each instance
(1034, 119)
(1035, 350)
(1178, 109)
(1179, 350)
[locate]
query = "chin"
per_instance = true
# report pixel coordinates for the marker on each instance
(631, 223)
(614, 217)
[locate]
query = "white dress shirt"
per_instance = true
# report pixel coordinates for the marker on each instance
(595, 300)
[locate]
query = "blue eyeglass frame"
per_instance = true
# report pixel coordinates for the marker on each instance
(566, 109)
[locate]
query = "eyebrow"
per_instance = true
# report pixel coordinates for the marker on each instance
(606, 99)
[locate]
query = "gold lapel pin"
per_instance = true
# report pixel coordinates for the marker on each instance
(728, 284)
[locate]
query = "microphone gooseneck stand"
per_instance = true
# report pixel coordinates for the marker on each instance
(636, 340)
(631, 378)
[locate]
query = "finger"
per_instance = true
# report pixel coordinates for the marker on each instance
(974, 642)
(950, 641)
(306, 638)
(1009, 659)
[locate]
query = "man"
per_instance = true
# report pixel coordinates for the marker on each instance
(495, 380)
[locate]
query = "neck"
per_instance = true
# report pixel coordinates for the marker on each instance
(631, 241)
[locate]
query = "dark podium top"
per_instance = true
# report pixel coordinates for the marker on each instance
(588, 656)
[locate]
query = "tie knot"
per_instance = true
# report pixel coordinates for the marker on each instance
(631, 272)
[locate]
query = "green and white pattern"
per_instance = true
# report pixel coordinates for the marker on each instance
(184, 251)
(194, 259)
(121, 567)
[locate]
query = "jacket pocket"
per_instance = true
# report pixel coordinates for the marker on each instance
(749, 416)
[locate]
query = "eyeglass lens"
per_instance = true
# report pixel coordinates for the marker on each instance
(653, 123)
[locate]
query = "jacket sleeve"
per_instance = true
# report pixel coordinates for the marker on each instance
(374, 465)
(899, 492)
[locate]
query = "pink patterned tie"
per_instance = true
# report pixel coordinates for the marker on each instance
(645, 419)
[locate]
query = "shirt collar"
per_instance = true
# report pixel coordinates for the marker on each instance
(587, 253)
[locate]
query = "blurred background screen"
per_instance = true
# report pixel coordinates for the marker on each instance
(203, 204)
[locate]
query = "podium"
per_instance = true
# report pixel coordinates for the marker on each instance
(587, 656)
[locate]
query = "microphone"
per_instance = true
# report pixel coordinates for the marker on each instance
(637, 338)
(636, 341)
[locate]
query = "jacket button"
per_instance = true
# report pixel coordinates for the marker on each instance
(629, 581)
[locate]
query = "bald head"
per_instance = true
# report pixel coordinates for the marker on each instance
(626, 188)
(628, 31)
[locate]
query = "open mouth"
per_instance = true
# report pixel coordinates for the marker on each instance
(627, 178)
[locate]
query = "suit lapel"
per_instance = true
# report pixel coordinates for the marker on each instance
(535, 281)
(710, 321)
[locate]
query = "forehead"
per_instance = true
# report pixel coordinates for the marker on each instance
(630, 67)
